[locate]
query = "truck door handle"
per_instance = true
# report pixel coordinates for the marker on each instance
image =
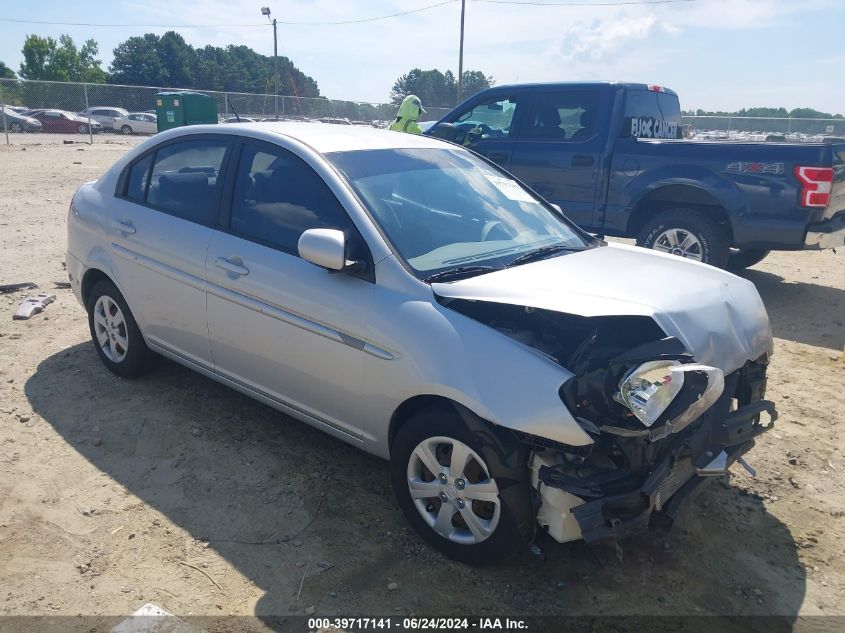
(583, 160)
(230, 266)
(123, 226)
(497, 157)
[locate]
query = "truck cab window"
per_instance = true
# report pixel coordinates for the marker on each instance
(563, 116)
(491, 119)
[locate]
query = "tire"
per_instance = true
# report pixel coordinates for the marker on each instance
(125, 353)
(504, 520)
(126, 130)
(709, 241)
(82, 129)
(15, 127)
(745, 258)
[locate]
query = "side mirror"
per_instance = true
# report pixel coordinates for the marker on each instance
(325, 248)
(444, 131)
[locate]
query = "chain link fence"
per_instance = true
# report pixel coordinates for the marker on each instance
(763, 129)
(77, 97)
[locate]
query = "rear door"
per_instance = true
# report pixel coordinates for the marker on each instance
(487, 125)
(558, 149)
(167, 202)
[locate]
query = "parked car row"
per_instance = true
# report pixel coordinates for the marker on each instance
(20, 119)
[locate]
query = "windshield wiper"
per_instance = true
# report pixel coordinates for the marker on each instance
(461, 272)
(540, 253)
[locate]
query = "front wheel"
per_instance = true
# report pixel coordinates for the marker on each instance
(82, 129)
(115, 333)
(16, 127)
(467, 494)
(126, 129)
(687, 233)
(745, 258)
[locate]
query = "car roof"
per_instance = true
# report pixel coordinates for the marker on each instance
(324, 137)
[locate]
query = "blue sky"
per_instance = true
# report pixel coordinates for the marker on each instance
(717, 54)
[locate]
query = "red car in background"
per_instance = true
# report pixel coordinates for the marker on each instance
(67, 122)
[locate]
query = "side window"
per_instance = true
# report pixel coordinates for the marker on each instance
(184, 180)
(277, 196)
(489, 119)
(134, 117)
(136, 184)
(566, 115)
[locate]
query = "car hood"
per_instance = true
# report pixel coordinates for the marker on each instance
(719, 317)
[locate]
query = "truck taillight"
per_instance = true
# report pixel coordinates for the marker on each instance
(816, 183)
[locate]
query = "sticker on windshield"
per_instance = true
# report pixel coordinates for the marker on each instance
(650, 127)
(510, 189)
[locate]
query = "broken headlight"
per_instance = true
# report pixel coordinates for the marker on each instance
(652, 389)
(648, 389)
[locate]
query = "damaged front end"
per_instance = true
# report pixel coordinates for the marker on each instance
(661, 423)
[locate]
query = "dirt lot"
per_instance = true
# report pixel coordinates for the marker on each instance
(178, 491)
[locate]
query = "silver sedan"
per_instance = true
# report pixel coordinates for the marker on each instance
(411, 298)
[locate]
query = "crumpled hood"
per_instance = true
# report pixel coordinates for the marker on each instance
(719, 317)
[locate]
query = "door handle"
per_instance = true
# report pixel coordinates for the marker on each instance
(497, 157)
(582, 160)
(230, 266)
(124, 226)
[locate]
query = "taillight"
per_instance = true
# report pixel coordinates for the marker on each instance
(816, 183)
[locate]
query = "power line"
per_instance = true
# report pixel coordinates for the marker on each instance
(620, 3)
(203, 26)
(534, 3)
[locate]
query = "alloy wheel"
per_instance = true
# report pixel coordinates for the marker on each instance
(679, 242)
(110, 329)
(451, 488)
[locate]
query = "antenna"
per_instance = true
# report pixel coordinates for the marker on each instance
(233, 108)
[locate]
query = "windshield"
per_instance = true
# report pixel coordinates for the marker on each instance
(444, 209)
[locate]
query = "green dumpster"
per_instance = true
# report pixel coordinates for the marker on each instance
(175, 109)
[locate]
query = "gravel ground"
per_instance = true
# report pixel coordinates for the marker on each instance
(175, 490)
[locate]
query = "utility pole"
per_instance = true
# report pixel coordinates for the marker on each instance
(266, 11)
(461, 53)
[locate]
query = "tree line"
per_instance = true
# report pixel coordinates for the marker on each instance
(169, 61)
(799, 113)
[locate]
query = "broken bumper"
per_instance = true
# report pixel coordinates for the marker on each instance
(708, 451)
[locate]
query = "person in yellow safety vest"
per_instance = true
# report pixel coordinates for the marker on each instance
(408, 115)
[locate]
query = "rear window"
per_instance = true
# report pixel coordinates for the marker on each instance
(650, 114)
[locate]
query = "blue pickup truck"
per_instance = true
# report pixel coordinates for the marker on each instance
(613, 157)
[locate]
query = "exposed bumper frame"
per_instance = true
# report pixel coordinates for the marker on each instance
(675, 479)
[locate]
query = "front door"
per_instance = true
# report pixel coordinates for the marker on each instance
(558, 150)
(280, 326)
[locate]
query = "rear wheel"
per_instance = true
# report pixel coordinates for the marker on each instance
(115, 333)
(126, 129)
(745, 258)
(461, 494)
(687, 233)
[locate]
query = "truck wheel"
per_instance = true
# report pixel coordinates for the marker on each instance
(687, 233)
(745, 258)
(115, 333)
(462, 492)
